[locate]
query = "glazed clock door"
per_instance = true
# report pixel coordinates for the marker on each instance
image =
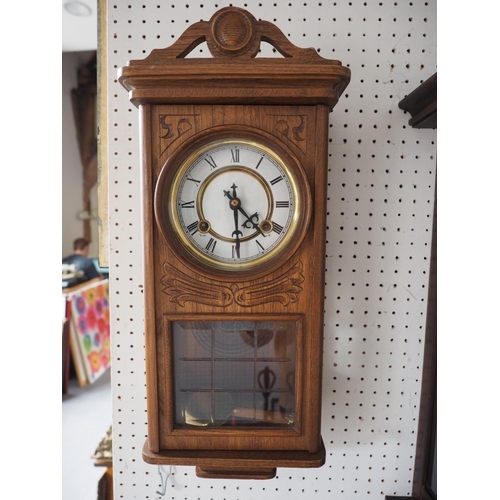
(234, 374)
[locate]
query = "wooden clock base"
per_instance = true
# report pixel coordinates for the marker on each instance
(230, 473)
(236, 464)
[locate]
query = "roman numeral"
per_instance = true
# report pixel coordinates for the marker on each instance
(235, 155)
(275, 181)
(283, 204)
(260, 248)
(260, 161)
(211, 162)
(187, 204)
(211, 245)
(277, 228)
(193, 228)
(190, 178)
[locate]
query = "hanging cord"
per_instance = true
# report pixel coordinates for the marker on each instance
(163, 481)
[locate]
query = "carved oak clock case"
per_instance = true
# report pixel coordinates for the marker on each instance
(234, 179)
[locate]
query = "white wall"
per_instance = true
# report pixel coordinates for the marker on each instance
(72, 176)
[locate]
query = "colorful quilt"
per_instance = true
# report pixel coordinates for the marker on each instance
(90, 323)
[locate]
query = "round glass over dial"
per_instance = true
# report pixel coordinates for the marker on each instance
(234, 204)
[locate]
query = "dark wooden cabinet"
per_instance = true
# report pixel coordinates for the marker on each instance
(422, 106)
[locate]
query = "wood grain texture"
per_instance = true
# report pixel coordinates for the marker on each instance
(148, 292)
(301, 76)
(283, 289)
(237, 459)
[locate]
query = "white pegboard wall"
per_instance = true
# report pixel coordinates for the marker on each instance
(380, 207)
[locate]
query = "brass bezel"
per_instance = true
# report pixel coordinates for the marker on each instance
(185, 241)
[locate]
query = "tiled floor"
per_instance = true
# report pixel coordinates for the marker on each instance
(86, 416)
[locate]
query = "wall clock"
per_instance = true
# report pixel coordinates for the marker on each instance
(234, 175)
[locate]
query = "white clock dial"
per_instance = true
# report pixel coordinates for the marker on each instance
(234, 203)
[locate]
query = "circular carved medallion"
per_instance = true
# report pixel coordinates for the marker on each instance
(232, 31)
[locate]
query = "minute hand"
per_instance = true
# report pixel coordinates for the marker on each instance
(249, 219)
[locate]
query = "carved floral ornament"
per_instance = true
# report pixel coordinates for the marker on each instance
(183, 288)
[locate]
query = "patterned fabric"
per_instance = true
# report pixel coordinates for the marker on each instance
(90, 324)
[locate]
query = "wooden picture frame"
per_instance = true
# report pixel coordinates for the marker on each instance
(102, 135)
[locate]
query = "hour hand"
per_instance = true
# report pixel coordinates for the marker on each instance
(233, 196)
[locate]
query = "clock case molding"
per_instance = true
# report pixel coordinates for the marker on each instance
(286, 101)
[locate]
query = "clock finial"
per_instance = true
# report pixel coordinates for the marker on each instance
(232, 32)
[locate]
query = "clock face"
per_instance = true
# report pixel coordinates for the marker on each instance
(234, 204)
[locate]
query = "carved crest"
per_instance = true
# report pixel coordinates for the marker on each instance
(234, 37)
